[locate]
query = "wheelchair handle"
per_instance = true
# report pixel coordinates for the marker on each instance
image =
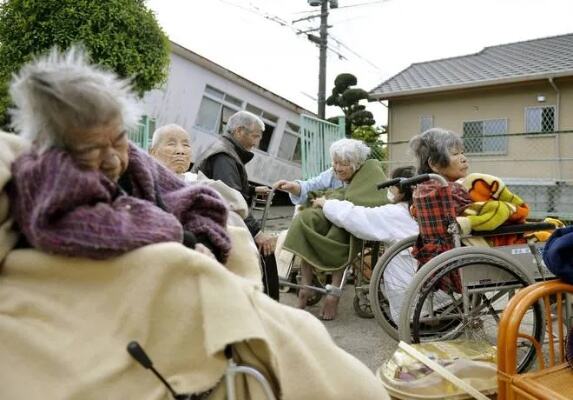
(391, 182)
(422, 178)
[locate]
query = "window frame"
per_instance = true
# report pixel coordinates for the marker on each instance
(222, 103)
(431, 117)
(555, 119)
(288, 131)
(262, 113)
(505, 138)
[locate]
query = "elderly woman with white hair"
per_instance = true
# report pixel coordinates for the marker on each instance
(84, 189)
(322, 245)
(171, 146)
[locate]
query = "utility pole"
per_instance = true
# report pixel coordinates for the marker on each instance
(322, 59)
(322, 42)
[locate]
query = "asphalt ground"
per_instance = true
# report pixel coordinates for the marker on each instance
(363, 338)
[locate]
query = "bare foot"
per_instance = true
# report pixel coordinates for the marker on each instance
(328, 312)
(303, 296)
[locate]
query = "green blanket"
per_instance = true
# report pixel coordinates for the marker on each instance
(324, 245)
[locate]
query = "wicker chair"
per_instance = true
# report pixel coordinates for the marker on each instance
(553, 377)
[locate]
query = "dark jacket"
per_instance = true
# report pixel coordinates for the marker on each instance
(225, 160)
(558, 253)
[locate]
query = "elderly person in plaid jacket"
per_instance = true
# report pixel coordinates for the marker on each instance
(440, 152)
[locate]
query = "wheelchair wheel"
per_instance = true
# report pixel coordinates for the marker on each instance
(270, 276)
(461, 294)
(362, 307)
(382, 292)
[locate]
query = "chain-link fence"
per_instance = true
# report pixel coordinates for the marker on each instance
(536, 166)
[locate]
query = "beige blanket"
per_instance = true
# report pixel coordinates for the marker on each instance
(11, 146)
(65, 324)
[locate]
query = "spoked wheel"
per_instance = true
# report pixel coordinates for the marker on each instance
(362, 306)
(461, 294)
(293, 269)
(363, 267)
(390, 280)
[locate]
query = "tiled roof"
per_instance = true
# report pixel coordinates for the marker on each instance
(532, 59)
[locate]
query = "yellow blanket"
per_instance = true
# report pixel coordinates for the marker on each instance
(65, 324)
(492, 204)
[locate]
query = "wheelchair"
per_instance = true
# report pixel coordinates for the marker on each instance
(463, 291)
(388, 286)
(363, 256)
(260, 206)
(357, 269)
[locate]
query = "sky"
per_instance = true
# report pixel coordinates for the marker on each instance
(372, 39)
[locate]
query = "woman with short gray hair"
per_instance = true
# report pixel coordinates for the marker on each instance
(84, 190)
(347, 156)
(435, 148)
(440, 152)
(309, 237)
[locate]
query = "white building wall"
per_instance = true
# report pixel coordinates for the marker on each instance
(178, 102)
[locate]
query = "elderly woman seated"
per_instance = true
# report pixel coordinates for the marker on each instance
(84, 193)
(171, 146)
(84, 189)
(321, 245)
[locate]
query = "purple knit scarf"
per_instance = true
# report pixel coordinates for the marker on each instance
(64, 210)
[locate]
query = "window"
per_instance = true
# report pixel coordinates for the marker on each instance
(208, 115)
(540, 119)
(267, 136)
(485, 136)
(290, 144)
(225, 115)
(215, 109)
(426, 122)
(270, 120)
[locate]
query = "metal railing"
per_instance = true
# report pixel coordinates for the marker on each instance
(316, 137)
(141, 135)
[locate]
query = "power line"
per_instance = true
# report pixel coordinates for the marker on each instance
(355, 53)
(351, 19)
(349, 6)
(363, 4)
(254, 9)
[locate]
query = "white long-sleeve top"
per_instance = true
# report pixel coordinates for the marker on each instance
(388, 223)
(325, 180)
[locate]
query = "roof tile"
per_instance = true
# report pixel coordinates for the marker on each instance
(508, 61)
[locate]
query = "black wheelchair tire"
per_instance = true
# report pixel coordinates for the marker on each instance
(270, 277)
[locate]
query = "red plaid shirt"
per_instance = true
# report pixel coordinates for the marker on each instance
(435, 208)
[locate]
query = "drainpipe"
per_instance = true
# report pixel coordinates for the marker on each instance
(558, 141)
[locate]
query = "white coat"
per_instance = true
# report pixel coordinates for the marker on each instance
(388, 224)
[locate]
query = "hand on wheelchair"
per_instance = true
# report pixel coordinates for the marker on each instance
(266, 243)
(287, 186)
(262, 189)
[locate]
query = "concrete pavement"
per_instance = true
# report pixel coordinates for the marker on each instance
(363, 338)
